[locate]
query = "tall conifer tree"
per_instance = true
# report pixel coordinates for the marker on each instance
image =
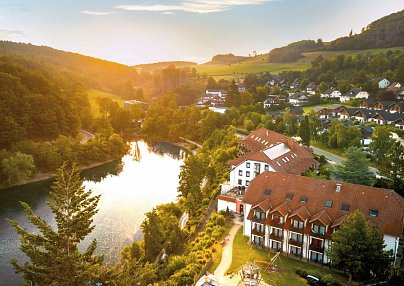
(54, 258)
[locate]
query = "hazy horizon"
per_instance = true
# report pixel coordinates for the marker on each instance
(141, 32)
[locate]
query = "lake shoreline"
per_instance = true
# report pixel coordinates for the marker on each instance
(40, 177)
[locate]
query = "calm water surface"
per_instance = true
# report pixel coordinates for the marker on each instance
(144, 178)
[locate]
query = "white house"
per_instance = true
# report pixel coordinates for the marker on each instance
(219, 92)
(354, 93)
(384, 83)
(269, 151)
(331, 93)
(272, 100)
(297, 215)
(298, 99)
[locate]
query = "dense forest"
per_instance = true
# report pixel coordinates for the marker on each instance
(42, 109)
(386, 32)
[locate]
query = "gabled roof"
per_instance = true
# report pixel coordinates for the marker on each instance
(387, 116)
(280, 152)
(263, 206)
(389, 204)
(350, 111)
(283, 209)
(322, 217)
(301, 212)
(353, 92)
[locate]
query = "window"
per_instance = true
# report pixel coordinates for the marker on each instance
(374, 213)
(297, 224)
(304, 199)
(276, 245)
(289, 196)
(240, 182)
(247, 173)
(277, 232)
(267, 192)
(316, 257)
(240, 172)
(318, 229)
(248, 164)
(296, 237)
(247, 182)
(328, 204)
(259, 215)
(278, 219)
(297, 251)
(345, 207)
(266, 167)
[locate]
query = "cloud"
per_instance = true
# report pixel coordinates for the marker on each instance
(96, 13)
(11, 34)
(192, 6)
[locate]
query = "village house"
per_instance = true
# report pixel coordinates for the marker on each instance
(354, 93)
(272, 100)
(219, 92)
(311, 89)
(297, 215)
(331, 93)
(298, 99)
(295, 110)
(328, 112)
(269, 151)
(384, 83)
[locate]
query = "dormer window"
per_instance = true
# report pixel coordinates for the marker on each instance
(345, 207)
(304, 199)
(259, 215)
(289, 196)
(328, 204)
(318, 229)
(374, 213)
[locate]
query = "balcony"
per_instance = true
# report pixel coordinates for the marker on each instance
(258, 243)
(258, 232)
(276, 224)
(295, 242)
(317, 234)
(316, 248)
(296, 229)
(276, 237)
(258, 220)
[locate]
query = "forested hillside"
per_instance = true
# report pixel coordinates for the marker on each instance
(39, 102)
(97, 73)
(386, 32)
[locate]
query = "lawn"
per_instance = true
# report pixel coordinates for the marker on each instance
(286, 275)
(94, 94)
(260, 64)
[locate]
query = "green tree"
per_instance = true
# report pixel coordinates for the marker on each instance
(355, 169)
(54, 258)
(381, 143)
(399, 72)
(304, 131)
(152, 228)
(17, 168)
(358, 249)
(393, 167)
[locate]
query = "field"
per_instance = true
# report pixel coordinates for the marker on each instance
(94, 94)
(259, 64)
(286, 266)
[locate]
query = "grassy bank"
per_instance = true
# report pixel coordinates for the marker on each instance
(94, 94)
(285, 274)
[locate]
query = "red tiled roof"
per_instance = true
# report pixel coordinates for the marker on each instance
(264, 205)
(299, 158)
(322, 217)
(389, 204)
(302, 213)
(227, 198)
(283, 209)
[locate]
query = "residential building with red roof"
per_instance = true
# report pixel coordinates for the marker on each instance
(269, 151)
(297, 215)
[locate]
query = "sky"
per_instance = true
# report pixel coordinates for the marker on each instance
(145, 31)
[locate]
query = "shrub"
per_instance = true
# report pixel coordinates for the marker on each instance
(301, 272)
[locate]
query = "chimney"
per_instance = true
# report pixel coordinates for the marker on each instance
(338, 188)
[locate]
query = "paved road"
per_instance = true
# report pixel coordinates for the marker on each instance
(86, 136)
(335, 159)
(183, 220)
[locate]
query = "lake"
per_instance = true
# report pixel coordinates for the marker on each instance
(143, 178)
